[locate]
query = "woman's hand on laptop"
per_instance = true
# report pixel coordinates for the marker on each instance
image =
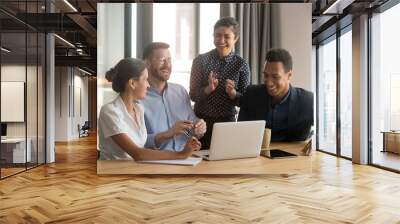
(200, 128)
(192, 144)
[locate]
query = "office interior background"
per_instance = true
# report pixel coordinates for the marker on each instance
(38, 107)
(50, 76)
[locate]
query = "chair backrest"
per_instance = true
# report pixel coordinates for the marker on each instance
(86, 125)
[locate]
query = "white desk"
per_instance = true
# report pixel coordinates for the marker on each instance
(16, 148)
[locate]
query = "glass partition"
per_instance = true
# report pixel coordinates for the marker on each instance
(327, 96)
(22, 88)
(13, 92)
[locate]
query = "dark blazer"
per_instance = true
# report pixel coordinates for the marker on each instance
(255, 104)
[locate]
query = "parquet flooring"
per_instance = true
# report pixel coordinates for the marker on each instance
(69, 191)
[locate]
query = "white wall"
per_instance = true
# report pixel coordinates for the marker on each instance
(68, 82)
(61, 104)
(33, 126)
(291, 29)
(16, 73)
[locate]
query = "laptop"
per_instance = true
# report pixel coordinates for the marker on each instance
(234, 140)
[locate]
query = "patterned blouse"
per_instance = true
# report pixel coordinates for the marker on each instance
(217, 104)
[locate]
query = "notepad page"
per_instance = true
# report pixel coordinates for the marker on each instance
(190, 161)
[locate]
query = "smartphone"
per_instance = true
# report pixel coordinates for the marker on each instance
(277, 154)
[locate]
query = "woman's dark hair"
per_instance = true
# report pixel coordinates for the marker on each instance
(228, 22)
(280, 55)
(125, 70)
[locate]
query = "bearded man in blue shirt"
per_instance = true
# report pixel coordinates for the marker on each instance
(168, 114)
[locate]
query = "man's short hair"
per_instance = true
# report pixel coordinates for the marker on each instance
(280, 55)
(228, 22)
(148, 50)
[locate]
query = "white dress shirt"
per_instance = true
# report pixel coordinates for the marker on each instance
(114, 119)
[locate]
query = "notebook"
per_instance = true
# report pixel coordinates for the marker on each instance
(190, 161)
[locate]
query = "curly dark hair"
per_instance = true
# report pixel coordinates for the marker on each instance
(280, 55)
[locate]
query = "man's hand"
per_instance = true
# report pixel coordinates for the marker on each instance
(180, 127)
(200, 128)
(212, 83)
(192, 144)
(230, 89)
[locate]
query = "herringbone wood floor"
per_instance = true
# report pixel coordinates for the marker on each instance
(69, 191)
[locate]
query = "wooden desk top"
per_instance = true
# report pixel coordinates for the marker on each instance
(249, 166)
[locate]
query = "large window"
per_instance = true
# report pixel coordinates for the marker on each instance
(327, 96)
(180, 33)
(385, 86)
(346, 94)
(334, 108)
(187, 34)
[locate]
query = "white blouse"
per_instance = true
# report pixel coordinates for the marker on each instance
(114, 119)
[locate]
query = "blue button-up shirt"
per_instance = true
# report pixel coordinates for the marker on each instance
(161, 111)
(277, 119)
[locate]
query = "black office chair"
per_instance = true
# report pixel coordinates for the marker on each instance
(84, 130)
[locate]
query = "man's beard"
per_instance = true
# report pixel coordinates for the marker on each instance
(162, 77)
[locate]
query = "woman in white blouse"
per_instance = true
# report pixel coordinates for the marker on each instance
(122, 131)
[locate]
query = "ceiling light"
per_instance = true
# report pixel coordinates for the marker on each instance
(64, 40)
(5, 50)
(70, 5)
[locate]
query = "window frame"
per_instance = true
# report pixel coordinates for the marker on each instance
(334, 37)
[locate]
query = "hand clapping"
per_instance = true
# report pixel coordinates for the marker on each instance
(230, 88)
(212, 83)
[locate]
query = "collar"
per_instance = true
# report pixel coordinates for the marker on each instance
(227, 59)
(285, 99)
(153, 90)
(120, 103)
